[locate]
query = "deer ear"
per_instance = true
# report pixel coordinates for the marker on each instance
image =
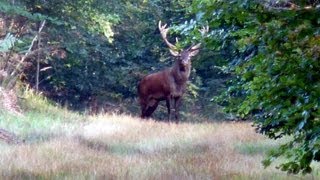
(194, 50)
(174, 53)
(193, 53)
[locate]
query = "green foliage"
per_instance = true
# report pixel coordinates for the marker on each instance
(16, 10)
(274, 53)
(7, 43)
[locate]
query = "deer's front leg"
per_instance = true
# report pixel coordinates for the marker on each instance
(177, 102)
(168, 103)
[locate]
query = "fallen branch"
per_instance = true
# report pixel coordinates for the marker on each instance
(29, 50)
(17, 68)
(9, 137)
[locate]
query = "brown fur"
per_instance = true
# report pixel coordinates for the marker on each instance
(169, 85)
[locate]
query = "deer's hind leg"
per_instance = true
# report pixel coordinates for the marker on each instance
(143, 111)
(152, 106)
(144, 106)
(168, 103)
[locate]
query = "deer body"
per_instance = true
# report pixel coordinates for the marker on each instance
(169, 84)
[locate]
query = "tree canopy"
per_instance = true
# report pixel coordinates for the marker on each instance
(274, 59)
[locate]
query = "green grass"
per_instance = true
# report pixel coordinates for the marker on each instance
(40, 120)
(60, 144)
(253, 148)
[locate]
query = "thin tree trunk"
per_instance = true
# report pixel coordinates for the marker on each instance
(17, 68)
(38, 62)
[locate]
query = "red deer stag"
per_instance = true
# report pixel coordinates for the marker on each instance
(168, 84)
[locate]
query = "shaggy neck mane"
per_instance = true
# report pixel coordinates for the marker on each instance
(180, 73)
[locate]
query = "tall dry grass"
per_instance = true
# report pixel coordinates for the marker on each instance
(123, 147)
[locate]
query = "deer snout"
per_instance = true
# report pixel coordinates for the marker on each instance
(185, 62)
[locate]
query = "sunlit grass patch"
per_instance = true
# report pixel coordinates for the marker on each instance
(35, 126)
(113, 146)
(58, 157)
(122, 132)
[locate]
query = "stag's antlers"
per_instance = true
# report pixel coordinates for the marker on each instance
(164, 32)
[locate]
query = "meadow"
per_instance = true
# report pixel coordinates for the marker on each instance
(59, 144)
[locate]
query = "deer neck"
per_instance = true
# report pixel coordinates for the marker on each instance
(180, 73)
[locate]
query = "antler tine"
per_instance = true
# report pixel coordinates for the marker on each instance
(204, 30)
(164, 32)
(195, 47)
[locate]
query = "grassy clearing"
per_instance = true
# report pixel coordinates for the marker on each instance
(63, 145)
(124, 147)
